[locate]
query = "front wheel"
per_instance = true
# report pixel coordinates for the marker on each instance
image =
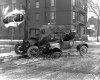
(83, 50)
(33, 51)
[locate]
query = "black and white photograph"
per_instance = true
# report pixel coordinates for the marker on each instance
(49, 39)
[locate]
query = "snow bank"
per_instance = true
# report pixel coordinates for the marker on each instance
(12, 54)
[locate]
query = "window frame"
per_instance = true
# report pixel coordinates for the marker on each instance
(52, 2)
(74, 15)
(21, 6)
(74, 2)
(37, 16)
(82, 17)
(13, 6)
(52, 15)
(37, 4)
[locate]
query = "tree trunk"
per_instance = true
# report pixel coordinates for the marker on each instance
(98, 31)
(98, 28)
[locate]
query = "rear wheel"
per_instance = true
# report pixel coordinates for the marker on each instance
(33, 51)
(18, 48)
(83, 50)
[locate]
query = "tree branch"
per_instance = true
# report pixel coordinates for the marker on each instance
(93, 7)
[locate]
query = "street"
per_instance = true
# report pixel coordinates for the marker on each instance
(73, 67)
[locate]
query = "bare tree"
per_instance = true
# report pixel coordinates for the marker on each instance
(94, 7)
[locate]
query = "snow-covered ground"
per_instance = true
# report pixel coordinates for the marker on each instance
(74, 67)
(12, 53)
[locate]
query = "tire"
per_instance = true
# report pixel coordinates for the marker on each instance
(17, 48)
(83, 50)
(56, 55)
(33, 51)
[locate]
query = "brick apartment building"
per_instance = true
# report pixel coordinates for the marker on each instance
(69, 13)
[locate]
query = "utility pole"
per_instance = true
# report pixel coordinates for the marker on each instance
(98, 31)
(12, 33)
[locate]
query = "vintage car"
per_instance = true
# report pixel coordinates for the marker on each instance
(47, 43)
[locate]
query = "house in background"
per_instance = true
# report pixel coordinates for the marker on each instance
(93, 21)
(91, 31)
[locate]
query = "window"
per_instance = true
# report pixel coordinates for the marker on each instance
(37, 4)
(1, 23)
(13, 6)
(21, 6)
(74, 14)
(52, 2)
(52, 15)
(37, 16)
(37, 32)
(83, 6)
(1, 28)
(82, 17)
(2, 8)
(74, 1)
(79, 4)
(13, 1)
(1, 20)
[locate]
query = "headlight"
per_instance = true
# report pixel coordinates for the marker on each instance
(71, 43)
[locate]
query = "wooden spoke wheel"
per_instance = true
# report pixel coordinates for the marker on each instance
(33, 51)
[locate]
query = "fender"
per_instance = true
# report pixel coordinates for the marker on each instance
(56, 50)
(80, 45)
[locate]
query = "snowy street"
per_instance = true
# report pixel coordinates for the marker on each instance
(73, 67)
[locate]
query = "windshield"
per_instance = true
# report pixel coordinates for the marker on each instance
(34, 32)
